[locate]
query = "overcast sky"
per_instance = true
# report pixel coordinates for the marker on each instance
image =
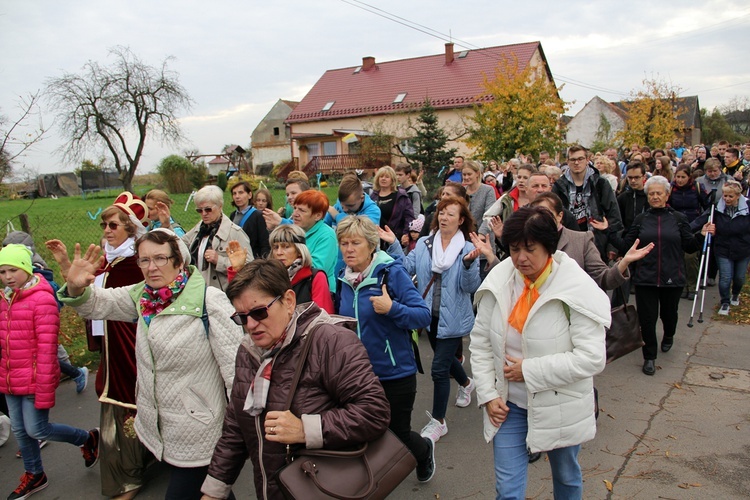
(236, 58)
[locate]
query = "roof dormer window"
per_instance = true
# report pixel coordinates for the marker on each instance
(400, 98)
(463, 54)
(328, 106)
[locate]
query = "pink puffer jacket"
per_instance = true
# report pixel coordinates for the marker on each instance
(29, 326)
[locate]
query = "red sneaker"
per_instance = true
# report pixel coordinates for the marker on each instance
(90, 449)
(30, 484)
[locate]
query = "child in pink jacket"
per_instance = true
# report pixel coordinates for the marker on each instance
(29, 370)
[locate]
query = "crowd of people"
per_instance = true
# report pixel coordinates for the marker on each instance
(201, 330)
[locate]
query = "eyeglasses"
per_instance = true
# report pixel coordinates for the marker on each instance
(635, 177)
(258, 314)
(111, 225)
(159, 260)
(208, 210)
(577, 160)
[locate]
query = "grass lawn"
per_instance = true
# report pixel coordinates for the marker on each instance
(70, 220)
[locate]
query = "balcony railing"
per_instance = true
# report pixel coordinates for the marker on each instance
(344, 163)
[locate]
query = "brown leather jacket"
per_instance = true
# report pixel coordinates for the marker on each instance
(337, 384)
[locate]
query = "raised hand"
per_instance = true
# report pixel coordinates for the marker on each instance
(387, 235)
(237, 254)
(83, 268)
(482, 247)
(162, 209)
(60, 253)
(496, 224)
(599, 226)
(272, 219)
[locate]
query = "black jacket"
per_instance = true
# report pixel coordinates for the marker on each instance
(257, 232)
(603, 204)
(732, 239)
(670, 233)
(632, 203)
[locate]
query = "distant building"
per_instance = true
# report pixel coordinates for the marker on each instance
(599, 116)
(271, 139)
(346, 104)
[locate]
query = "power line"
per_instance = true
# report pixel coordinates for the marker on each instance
(462, 43)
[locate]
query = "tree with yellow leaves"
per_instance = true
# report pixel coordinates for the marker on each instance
(519, 112)
(652, 115)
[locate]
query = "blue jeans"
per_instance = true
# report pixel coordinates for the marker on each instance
(30, 425)
(512, 461)
(731, 272)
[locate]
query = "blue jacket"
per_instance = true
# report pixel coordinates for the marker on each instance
(458, 283)
(369, 208)
(386, 337)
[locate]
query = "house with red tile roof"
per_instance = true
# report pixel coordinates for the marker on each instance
(350, 103)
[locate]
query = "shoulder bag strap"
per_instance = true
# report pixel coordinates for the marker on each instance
(300, 366)
(429, 285)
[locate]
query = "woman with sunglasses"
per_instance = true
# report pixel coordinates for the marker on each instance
(185, 350)
(123, 459)
(338, 404)
(207, 241)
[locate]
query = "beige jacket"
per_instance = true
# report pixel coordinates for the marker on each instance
(216, 274)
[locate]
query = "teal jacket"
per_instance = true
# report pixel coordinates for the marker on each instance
(321, 241)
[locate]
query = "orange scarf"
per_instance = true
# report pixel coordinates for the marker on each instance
(528, 298)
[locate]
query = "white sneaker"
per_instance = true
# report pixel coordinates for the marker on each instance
(724, 310)
(434, 429)
(735, 300)
(463, 398)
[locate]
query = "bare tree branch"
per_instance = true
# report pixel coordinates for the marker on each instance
(15, 140)
(118, 107)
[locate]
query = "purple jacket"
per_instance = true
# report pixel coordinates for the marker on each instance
(403, 212)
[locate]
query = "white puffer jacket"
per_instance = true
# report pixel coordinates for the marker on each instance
(184, 373)
(562, 351)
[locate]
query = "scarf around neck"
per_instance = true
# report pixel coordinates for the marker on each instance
(293, 268)
(204, 230)
(257, 396)
(528, 298)
(155, 300)
(442, 260)
(126, 249)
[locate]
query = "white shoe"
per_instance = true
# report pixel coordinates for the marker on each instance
(463, 398)
(724, 310)
(434, 430)
(735, 300)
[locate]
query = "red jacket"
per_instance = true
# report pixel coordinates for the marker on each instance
(29, 326)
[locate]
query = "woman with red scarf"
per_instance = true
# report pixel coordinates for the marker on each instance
(122, 457)
(537, 342)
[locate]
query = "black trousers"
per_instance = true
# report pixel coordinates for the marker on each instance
(401, 394)
(649, 300)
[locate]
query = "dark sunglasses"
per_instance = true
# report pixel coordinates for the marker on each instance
(258, 314)
(112, 225)
(208, 210)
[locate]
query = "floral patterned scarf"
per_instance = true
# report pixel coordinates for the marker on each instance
(154, 301)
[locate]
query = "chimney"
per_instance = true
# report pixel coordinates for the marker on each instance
(368, 63)
(449, 53)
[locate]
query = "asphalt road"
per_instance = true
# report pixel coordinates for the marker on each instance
(681, 434)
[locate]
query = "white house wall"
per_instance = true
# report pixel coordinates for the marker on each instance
(583, 127)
